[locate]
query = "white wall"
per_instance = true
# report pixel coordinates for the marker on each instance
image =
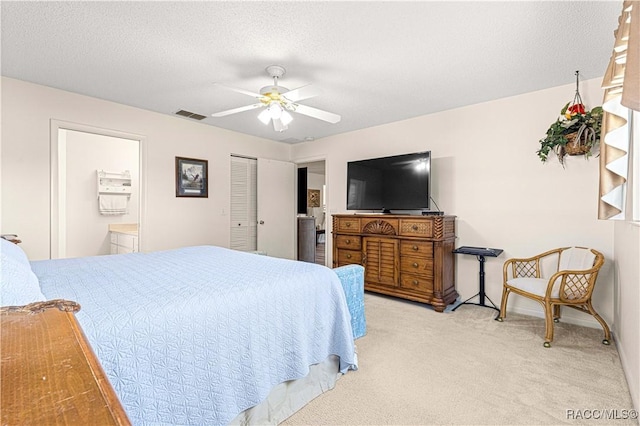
(86, 229)
(627, 332)
(486, 172)
(168, 222)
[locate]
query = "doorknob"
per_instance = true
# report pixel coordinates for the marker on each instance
(261, 222)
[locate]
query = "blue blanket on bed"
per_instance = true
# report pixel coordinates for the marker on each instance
(199, 334)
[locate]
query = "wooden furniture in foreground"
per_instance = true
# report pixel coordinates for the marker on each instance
(13, 238)
(49, 373)
(404, 255)
(570, 283)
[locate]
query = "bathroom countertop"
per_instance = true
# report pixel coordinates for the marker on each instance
(124, 228)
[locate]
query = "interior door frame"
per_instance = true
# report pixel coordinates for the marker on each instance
(328, 260)
(57, 226)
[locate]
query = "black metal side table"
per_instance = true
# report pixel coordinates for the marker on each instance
(480, 253)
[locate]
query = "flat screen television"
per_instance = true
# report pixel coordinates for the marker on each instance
(399, 182)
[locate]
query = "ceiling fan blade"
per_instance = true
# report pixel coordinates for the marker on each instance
(317, 113)
(304, 92)
(236, 110)
(235, 89)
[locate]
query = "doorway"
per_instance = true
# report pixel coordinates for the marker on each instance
(316, 204)
(262, 206)
(80, 155)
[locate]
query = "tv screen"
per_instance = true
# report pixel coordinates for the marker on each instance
(400, 182)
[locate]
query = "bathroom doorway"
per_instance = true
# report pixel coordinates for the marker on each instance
(81, 216)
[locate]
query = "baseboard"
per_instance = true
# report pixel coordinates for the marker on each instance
(632, 382)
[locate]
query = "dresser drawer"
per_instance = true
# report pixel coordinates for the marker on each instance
(349, 242)
(348, 224)
(416, 265)
(346, 257)
(416, 228)
(416, 248)
(416, 282)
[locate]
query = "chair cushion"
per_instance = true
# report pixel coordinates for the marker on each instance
(576, 259)
(537, 286)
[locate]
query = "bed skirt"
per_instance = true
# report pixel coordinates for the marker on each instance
(289, 397)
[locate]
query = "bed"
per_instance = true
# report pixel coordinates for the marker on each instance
(201, 335)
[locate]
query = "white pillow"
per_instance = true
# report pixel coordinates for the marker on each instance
(13, 251)
(18, 284)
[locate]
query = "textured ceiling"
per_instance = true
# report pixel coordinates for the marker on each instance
(375, 62)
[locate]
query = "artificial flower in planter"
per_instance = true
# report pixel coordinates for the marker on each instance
(575, 132)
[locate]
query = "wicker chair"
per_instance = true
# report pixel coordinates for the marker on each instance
(571, 284)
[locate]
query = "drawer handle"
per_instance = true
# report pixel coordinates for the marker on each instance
(349, 256)
(415, 282)
(347, 241)
(348, 224)
(415, 248)
(414, 227)
(415, 264)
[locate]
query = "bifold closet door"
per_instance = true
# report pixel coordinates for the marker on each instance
(244, 210)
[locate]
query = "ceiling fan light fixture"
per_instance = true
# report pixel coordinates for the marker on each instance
(286, 118)
(278, 125)
(275, 110)
(264, 116)
(280, 117)
(277, 102)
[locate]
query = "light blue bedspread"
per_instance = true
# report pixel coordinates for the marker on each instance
(197, 335)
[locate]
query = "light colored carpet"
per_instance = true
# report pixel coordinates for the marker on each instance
(417, 366)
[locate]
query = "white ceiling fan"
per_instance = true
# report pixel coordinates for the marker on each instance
(278, 101)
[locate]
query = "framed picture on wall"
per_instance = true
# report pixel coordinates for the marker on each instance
(313, 198)
(191, 177)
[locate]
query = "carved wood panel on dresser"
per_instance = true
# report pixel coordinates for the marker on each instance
(404, 256)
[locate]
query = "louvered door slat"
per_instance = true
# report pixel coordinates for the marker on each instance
(381, 261)
(243, 214)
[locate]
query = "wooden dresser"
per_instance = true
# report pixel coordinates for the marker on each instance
(50, 375)
(404, 256)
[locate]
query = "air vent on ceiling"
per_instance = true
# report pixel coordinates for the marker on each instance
(190, 114)
(290, 140)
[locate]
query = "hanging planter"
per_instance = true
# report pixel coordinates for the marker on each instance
(575, 132)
